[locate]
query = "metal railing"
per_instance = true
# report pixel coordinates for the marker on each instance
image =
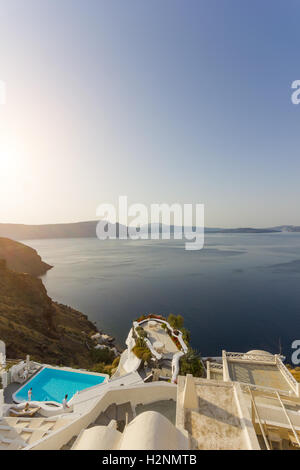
(250, 357)
(287, 375)
(256, 414)
(215, 365)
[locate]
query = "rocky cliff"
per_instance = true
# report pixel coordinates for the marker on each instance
(31, 323)
(22, 258)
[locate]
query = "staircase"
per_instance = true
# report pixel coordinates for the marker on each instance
(117, 413)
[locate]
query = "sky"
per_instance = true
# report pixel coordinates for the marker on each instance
(165, 101)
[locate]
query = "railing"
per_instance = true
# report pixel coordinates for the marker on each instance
(231, 356)
(12, 362)
(226, 375)
(289, 419)
(256, 413)
(215, 365)
(263, 389)
(287, 375)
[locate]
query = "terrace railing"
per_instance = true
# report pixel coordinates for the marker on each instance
(234, 356)
(216, 365)
(262, 389)
(288, 376)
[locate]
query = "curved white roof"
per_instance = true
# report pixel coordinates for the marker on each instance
(148, 431)
(152, 431)
(97, 438)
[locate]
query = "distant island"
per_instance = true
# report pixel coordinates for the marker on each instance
(88, 230)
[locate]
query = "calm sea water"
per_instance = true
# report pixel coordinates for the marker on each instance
(241, 292)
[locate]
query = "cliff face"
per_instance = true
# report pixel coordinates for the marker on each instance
(31, 323)
(22, 258)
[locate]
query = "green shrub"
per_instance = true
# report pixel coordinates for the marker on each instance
(147, 355)
(186, 335)
(142, 353)
(191, 363)
(102, 368)
(99, 368)
(116, 361)
(140, 343)
(141, 332)
(176, 321)
(104, 355)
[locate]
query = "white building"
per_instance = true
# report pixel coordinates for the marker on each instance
(249, 401)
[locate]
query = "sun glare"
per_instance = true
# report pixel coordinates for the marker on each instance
(10, 159)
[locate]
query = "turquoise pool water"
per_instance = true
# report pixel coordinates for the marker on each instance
(54, 384)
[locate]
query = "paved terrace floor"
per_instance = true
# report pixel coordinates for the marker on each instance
(216, 424)
(159, 334)
(9, 391)
(265, 375)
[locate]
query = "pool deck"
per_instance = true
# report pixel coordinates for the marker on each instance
(13, 387)
(9, 391)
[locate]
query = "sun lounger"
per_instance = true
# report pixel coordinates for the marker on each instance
(8, 421)
(18, 412)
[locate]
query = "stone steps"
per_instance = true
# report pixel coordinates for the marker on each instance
(115, 412)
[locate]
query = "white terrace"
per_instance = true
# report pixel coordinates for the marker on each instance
(161, 345)
(128, 414)
(214, 415)
(159, 339)
(255, 368)
(253, 404)
(230, 415)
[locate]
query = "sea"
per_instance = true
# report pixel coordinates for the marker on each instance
(240, 292)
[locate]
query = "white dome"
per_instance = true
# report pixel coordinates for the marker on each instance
(152, 431)
(98, 438)
(148, 431)
(259, 352)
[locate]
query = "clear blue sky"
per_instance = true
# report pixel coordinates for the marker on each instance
(160, 100)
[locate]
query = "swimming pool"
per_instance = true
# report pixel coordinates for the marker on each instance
(53, 384)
